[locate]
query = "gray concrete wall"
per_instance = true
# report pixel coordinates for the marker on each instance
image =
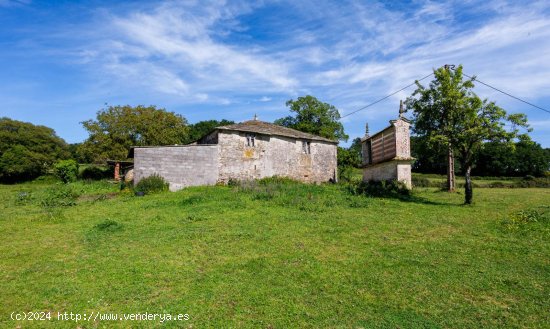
(181, 166)
(274, 156)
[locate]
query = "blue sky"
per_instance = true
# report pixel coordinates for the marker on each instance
(62, 61)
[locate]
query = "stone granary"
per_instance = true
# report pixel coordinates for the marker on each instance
(243, 151)
(387, 154)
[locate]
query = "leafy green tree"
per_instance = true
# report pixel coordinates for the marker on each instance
(27, 151)
(118, 128)
(356, 149)
(449, 113)
(350, 157)
(439, 109)
(493, 159)
(314, 117)
(530, 159)
(201, 128)
(429, 158)
(482, 121)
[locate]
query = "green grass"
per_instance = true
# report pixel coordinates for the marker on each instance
(435, 180)
(279, 255)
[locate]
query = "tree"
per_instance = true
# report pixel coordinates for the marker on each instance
(350, 157)
(27, 151)
(429, 158)
(530, 159)
(314, 117)
(201, 128)
(438, 109)
(118, 128)
(493, 159)
(449, 113)
(519, 159)
(482, 121)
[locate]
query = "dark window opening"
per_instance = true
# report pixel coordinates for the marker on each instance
(306, 147)
(250, 140)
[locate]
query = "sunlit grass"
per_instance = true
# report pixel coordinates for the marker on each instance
(277, 255)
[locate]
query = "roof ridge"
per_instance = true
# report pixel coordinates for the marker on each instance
(272, 129)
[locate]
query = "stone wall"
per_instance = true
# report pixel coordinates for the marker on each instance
(180, 166)
(274, 156)
(393, 169)
(402, 139)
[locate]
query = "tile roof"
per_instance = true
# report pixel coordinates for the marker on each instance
(266, 128)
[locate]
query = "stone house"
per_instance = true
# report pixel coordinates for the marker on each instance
(249, 150)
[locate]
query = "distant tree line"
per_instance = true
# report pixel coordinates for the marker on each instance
(519, 159)
(523, 158)
(28, 151)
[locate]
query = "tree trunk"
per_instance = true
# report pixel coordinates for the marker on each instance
(450, 170)
(468, 192)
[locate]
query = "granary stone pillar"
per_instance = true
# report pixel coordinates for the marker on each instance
(387, 153)
(117, 171)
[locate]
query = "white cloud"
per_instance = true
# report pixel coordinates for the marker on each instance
(177, 44)
(349, 54)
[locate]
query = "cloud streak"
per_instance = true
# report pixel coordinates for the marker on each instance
(217, 58)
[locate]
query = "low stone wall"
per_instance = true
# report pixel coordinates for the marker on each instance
(394, 169)
(180, 166)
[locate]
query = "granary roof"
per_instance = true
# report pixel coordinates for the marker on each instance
(266, 128)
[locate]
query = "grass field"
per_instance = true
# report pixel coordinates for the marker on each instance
(275, 256)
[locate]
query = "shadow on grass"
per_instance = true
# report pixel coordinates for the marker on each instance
(389, 189)
(418, 199)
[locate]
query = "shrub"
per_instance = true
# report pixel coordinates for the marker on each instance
(388, 188)
(522, 218)
(152, 184)
(95, 173)
(345, 174)
(59, 196)
(66, 170)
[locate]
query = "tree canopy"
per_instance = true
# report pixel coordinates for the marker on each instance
(450, 113)
(314, 117)
(118, 128)
(201, 128)
(350, 157)
(27, 151)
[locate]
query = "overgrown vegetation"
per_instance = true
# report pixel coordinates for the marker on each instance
(152, 184)
(522, 219)
(66, 170)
